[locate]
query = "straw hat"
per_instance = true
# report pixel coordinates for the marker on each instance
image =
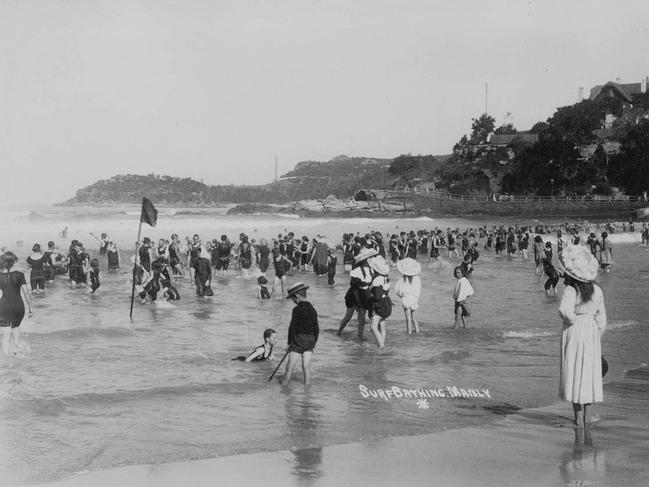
(409, 267)
(365, 253)
(579, 263)
(296, 288)
(378, 264)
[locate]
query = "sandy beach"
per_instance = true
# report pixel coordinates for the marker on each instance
(536, 447)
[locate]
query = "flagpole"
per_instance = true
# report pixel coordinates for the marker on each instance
(137, 244)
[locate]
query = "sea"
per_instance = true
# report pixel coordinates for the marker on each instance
(92, 389)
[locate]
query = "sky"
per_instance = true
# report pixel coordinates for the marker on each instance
(216, 90)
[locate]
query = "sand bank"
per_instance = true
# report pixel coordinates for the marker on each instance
(537, 447)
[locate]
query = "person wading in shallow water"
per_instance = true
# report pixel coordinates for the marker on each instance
(262, 352)
(357, 297)
(14, 294)
(302, 333)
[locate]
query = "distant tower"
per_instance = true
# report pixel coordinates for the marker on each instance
(580, 93)
(275, 167)
(486, 98)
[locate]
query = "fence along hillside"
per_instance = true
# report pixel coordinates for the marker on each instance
(509, 205)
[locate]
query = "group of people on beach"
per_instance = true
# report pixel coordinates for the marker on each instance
(368, 260)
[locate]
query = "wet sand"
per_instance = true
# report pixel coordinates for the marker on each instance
(536, 447)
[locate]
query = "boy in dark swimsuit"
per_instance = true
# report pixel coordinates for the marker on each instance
(302, 333)
(262, 352)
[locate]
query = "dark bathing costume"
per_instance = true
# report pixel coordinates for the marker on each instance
(12, 308)
(37, 275)
(259, 358)
(303, 331)
(264, 261)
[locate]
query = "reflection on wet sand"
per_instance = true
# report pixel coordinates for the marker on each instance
(584, 464)
(304, 424)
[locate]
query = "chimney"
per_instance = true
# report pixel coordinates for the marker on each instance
(580, 93)
(643, 85)
(618, 80)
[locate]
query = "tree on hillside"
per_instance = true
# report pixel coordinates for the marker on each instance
(407, 164)
(575, 123)
(549, 167)
(508, 129)
(628, 169)
(481, 128)
(539, 127)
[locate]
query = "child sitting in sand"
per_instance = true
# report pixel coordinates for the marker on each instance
(461, 293)
(262, 290)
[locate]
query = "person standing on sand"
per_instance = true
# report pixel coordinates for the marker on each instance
(303, 333)
(584, 321)
(14, 294)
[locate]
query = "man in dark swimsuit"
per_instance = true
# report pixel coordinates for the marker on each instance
(223, 254)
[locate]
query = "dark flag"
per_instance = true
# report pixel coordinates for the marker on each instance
(149, 212)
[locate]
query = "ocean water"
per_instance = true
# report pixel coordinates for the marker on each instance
(97, 390)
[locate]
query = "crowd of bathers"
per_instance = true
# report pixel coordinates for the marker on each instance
(367, 258)
(158, 264)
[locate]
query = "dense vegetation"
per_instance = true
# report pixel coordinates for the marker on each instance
(569, 156)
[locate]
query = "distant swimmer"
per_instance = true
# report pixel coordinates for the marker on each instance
(263, 351)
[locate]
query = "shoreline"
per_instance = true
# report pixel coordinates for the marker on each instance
(349, 208)
(533, 447)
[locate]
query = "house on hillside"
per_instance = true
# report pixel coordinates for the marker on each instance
(506, 144)
(622, 93)
(506, 140)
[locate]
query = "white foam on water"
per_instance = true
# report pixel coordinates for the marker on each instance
(616, 325)
(528, 334)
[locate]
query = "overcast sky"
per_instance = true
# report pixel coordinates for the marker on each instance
(215, 89)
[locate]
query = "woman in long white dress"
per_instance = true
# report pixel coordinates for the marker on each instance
(584, 320)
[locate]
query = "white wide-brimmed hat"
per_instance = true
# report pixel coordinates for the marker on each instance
(409, 267)
(365, 253)
(378, 264)
(579, 263)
